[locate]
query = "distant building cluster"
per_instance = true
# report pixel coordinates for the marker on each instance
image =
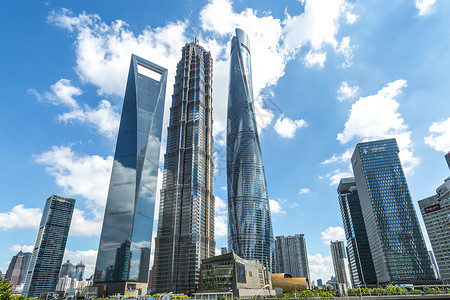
(384, 243)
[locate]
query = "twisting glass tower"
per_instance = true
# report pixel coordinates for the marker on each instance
(249, 224)
(124, 252)
(186, 216)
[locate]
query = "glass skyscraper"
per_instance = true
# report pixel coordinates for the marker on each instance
(291, 256)
(49, 248)
(249, 223)
(124, 251)
(18, 268)
(186, 216)
(340, 264)
(398, 249)
(360, 260)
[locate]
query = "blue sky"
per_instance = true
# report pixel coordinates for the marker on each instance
(327, 75)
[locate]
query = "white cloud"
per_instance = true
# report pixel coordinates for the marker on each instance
(217, 252)
(304, 191)
(21, 217)
(23, 248)
(83, 175)
(88, 257)
(220, 205)
(104, 118)
(439, 138)
(275, 207)
(220, 223)
(424, 6)
(320, 267)
(346, 92)
(223, 188)
(351, 17)
(376, 117)
(346, 50)
(286, 127)
(84, 226)
(336, 176)
(332, 234)
(313, 59)
(62, 94)
(341, 158)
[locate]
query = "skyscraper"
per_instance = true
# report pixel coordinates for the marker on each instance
(49, 247)
(436, 216)
(18, 268)
(291, 256)
(398, 249)
(361, 266)
(68, 269)
(125, 242)
(186, 215)
(340, 264)
(249, 223)
(447, 159)
(79, 271)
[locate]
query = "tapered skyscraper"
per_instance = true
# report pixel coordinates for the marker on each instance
(48, 252)
(249, 223)
(124, 251)
(186, 215)
(398, 249)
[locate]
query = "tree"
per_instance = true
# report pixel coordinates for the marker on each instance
(6, 288)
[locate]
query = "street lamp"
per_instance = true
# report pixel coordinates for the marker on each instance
(267, 285)
(166, 294)
(229, 292)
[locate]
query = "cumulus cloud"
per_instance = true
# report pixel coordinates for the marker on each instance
(220, 206)
(424, 6)
(220, 223)
(88, 257)
(104, 118)
(21, 217)
(347, 51)
(320, 267)
(23, 248)
(336, 175)
(275, 207)
(82, 225)
(439, 138)
(338, 158)
(332, 234)
(346, 92)
(303, 191)
(62, 93)
(313, 59)
(286, 127)
(376, 117)
(78, 174)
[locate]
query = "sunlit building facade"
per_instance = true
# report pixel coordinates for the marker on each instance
(124, 250)
(186, 215)
(396, 242)
(50, 244)
(249, 221)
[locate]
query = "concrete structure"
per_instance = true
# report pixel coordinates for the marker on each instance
(64, 283)
(228, 273)
(18, 268)
(396, 242)
(436, 216)
(124, 251)
(50, 244)
(287, 283)
(186, 215)
(291, 256)
(360, 261)
(340, 264)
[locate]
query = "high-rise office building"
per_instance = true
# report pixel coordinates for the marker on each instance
(436, 216)
(434, 265)
(398, 249)
(79, 271)
(50, 244)
(447, 158)
(360, 261)
(249, 221)
(68, 269)
(291, 256)
(340, 264)
(186, 216)
(125, 242)
(18, 268)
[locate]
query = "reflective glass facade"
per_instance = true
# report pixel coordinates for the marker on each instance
(249, 224)
(398, 249)
(125, 242)
(360, 260)
(49, 248)
(291, 256)
(186, 216)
